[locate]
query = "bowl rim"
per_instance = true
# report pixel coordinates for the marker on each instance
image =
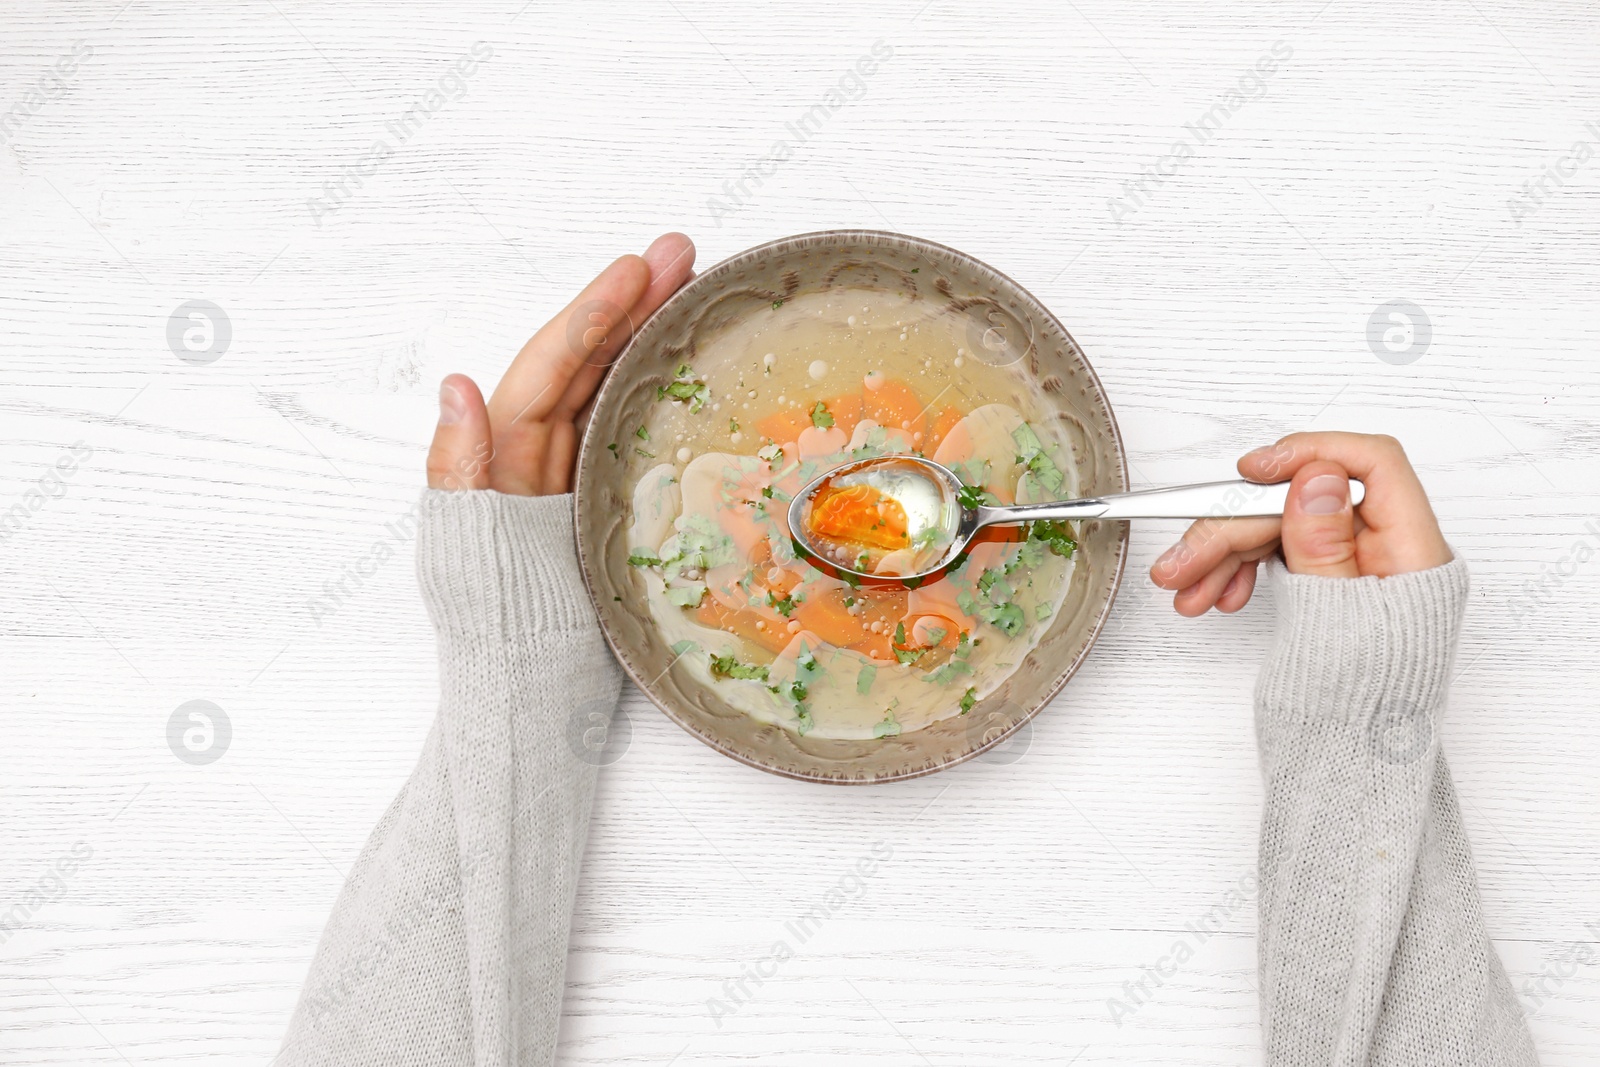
(788, 243)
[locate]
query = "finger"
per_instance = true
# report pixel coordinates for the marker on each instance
(519, 451)
(1395, 496)
(1197, 599)
(1206, 543)
(459, 455)
(593, 324)
(1396, 507)
(671, 261)
(561, 454)
(1319, 525)
(1236, 594)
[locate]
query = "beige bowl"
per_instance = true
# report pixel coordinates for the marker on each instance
(750, 282)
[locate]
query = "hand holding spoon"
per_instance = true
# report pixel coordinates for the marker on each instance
(903, 519)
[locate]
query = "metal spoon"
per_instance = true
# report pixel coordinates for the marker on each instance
(944, 515)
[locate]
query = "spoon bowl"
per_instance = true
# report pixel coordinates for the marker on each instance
(930, 495)
(906, 519)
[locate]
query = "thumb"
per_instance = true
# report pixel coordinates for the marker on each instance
(1319, 525)
(459, 455)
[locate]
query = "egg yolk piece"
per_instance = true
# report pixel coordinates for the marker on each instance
(859, 515)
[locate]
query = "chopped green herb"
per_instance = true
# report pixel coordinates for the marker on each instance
(948, 672)
(915, 270)
(1007, 617)
(902, 654)
(727, 666)
(1054, 534)
(771, 453)
(1036, 459)
(646, 455)
(614, 452)
(888, 727)
(1042, 611)
(971, 496)
(1030, 554)
(806, 671)
(642, 433)
(640, 558)
(783, 605)
(733, 425)
(776, 304)
(686, 386)
(969, 699)
(766, 491)
(686, 596)
(865, 678)
(701, 546)
(821, 417)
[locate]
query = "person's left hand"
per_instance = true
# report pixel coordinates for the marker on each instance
(1394, 531)
(525, 440)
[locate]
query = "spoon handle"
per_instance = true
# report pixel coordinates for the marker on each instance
(1235, 499)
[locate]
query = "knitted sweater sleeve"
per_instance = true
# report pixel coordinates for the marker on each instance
(1373, 948)
(448, 943)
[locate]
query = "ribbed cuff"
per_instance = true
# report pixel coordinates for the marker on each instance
(493, 563)
(1349, 648)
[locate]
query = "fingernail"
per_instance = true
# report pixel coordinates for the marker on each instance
(661, 254)
(1171, 559)
(452, 407)
(1326, 494)
(1233, 583)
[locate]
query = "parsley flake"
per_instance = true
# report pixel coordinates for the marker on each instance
(728, 666)
(971, 497)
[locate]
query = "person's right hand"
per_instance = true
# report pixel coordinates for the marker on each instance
(1393, 531)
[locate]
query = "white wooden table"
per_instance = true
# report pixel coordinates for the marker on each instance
(157, 153)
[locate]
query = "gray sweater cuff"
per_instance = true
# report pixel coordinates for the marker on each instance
(493, 563)
(1374, 649)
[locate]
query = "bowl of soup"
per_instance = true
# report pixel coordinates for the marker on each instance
(776, 366)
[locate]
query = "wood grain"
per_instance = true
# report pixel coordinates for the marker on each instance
(183, 559)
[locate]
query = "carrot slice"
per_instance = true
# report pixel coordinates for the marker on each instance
(894, 405)
(942, 425)
(783, 427)
(859, 515)
(713, 613)
(825, 614)
(846, 411)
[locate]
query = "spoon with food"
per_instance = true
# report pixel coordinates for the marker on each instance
(905, 519)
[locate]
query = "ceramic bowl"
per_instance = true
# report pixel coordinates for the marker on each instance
(1052, 364)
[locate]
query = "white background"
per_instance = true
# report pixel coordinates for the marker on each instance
(176, 163)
